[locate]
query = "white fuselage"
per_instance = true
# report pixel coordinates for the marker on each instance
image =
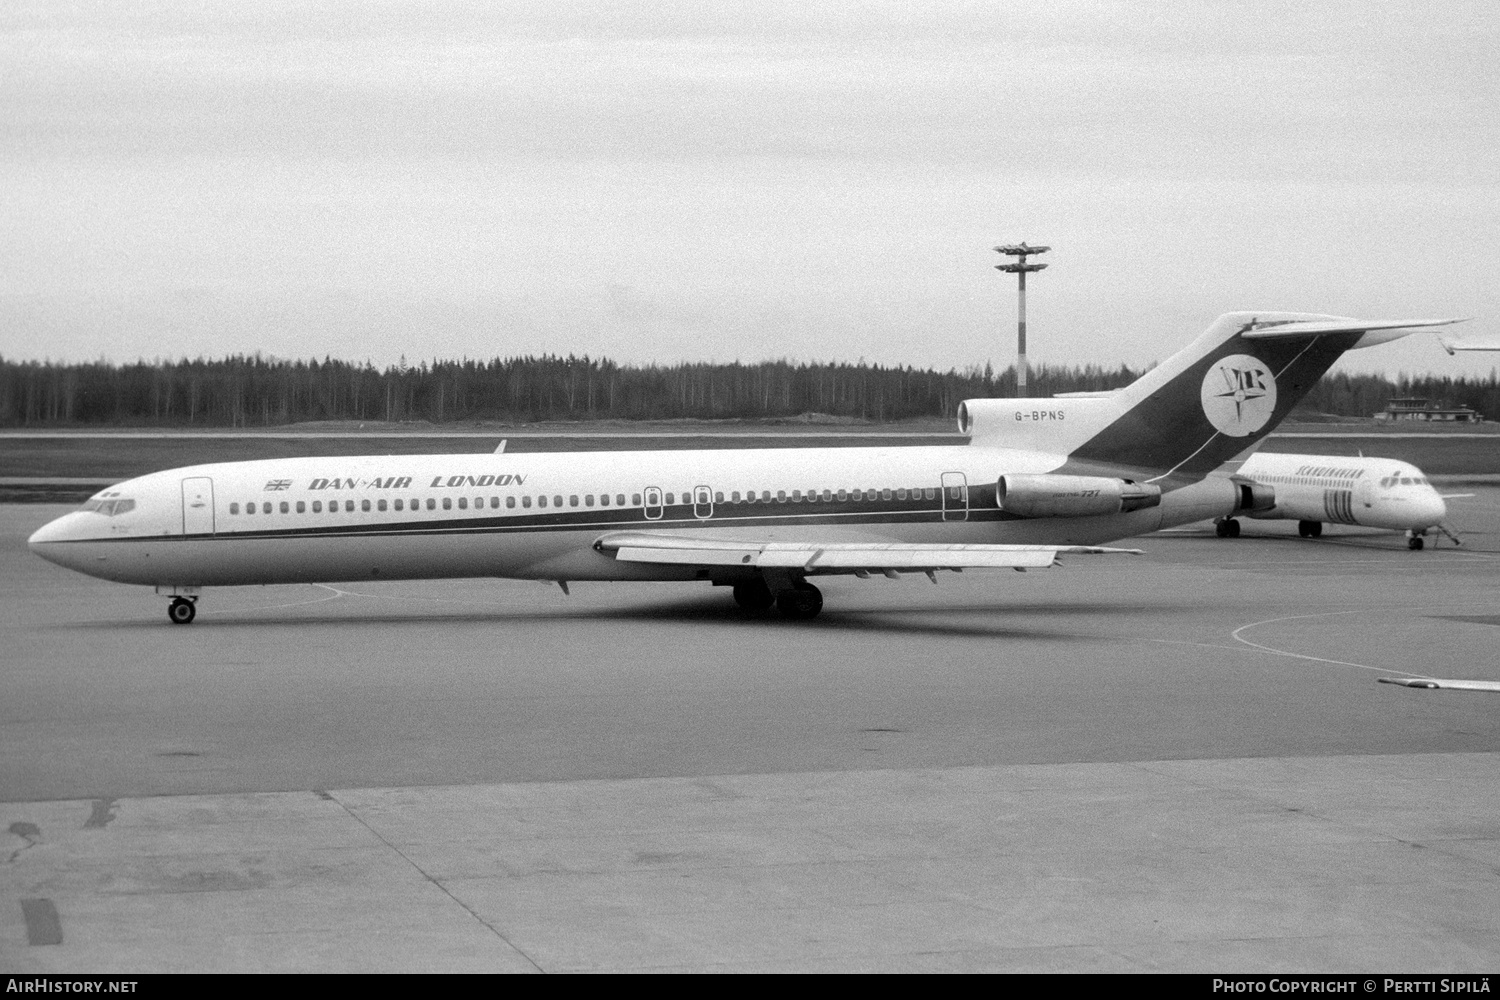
(537, 516)
(1375, 492)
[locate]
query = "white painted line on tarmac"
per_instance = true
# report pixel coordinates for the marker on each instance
(1333, 614)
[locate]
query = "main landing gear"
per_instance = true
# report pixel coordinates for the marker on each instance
(754, 596)
(1227, 527)
(182, 610)
(1310, 529)
(798, 601)
(1414, 541)
(802, 602)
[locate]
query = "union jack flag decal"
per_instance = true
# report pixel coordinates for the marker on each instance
(277, 485)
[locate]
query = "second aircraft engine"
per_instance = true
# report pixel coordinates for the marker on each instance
(1073, 496)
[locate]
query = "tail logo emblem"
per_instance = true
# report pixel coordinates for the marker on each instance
(1238, 395)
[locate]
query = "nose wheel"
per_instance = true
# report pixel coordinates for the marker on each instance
(182, 611)
(1414, 541)
(1227, 527)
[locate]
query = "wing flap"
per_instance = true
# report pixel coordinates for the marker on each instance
(811, 556)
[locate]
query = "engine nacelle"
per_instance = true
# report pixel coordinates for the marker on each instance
(1073, 496)
(1255, 497)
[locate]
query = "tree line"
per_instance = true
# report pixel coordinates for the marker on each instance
(254, 391)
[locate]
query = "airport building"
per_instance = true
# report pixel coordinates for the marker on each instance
(1418, 408)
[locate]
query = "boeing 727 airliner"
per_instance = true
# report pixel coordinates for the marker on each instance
(1038, 478)
(1374, 492)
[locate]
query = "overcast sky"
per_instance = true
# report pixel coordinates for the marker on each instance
(674, 181)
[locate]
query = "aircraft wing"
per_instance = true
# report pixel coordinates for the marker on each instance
(1454, 346)
(1437, 682)
(835, 556)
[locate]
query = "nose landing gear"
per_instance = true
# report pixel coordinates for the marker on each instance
(1227, 527)
(1414, 541)
(182, 610)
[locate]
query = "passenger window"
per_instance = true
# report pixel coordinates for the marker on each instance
(431, 504)
(604, 499)
(541, 501)
(494, 503)
(588, 499)
(249, 508)
(573, 500)
(843, 495)
(510, 502)
(234, 508)
(670, 499)
(447, 503)
(718, 498)
(900, 494)
(479, 503)
(635, 499)
(885, 494)
(781, 496)
(380, 505)
(397, 504)
(619, 499)
(301, 507)
(796, 496)
(827, 496)
(265, 508)
(556, 501)
(364, 505)
(286, 508)
(463, 503)
(735, 497)
(526, 501)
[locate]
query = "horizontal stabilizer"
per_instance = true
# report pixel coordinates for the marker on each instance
(1437, 682)
(836, 556)
(1276, 330)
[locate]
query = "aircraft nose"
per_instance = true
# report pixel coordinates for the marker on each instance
(46, 540)
(1435, 507)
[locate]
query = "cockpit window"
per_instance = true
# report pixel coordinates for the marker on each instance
(109, 508)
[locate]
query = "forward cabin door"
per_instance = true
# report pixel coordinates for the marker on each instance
(198, 506)
(703, 502)
(955, 497)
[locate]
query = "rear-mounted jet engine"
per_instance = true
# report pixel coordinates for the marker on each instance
(1073, 496)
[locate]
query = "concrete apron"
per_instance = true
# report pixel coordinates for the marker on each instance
(1349, 864)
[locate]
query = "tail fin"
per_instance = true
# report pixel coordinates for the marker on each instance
(1202, 406)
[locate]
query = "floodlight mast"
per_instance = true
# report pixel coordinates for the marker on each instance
(1020, 251)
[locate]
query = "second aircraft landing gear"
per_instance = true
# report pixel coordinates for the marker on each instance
(1227, 527)
(182, 610)
(1414, 541)
(1310, 529)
